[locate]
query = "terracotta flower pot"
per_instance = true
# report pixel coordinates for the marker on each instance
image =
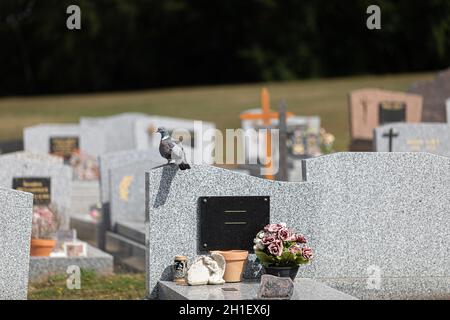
(236, 261)
(41, 247)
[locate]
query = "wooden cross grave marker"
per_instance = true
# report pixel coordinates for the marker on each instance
(266, 116)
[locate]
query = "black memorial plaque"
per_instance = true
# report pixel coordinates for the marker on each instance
(64, 147)
(392, 111)
(39, 187)
(231, 223)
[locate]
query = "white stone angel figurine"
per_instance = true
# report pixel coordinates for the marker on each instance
(207, 270)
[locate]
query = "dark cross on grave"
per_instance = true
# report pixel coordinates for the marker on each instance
(391, 135)
(282, 126)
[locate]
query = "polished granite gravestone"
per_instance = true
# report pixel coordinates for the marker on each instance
(44, 138)
(414, 137)
(382, 230)
(434, 92)
(126, 236)
(305, 289)
(369, 108)
(172, 211)
(15, 232)
(31, 167)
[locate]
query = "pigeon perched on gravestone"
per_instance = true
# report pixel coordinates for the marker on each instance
(172, 150)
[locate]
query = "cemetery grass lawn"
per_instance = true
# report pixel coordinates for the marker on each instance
(220, 104)
(93, 287)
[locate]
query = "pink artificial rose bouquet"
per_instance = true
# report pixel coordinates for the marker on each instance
(278, 246)
(46, 221)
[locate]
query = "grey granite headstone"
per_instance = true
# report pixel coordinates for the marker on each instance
(109, 134)
(128, 190)
(414, 137)
(172, 215)
(15, 233)
(36, 139)
(109, 161)
(60, 178)
(383, 228)
(435, 93)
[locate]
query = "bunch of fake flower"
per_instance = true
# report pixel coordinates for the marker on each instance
(276, 245)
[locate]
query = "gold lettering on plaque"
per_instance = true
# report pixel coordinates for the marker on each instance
(124, 187)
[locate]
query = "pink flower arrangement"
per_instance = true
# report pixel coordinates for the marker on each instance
(277, 245)
(45, 222)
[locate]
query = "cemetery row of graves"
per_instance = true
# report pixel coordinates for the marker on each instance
(97, 194)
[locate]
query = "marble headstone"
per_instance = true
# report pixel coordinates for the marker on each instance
(60, 177)
(172, 214)
(435, 93)
(382, 230)
(414, 137)
(15, 233)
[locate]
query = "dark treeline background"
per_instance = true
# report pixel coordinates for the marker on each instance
(147, 43)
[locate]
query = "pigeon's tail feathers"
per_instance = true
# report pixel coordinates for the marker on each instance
(184, 166)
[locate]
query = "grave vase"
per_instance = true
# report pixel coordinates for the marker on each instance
(235, 264)
(41, 247)
(283, 272)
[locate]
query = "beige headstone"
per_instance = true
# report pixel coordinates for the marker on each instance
(364, 110)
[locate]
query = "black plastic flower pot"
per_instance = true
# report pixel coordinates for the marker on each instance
(283, 272)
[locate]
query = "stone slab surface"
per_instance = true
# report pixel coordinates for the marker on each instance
(304, 289)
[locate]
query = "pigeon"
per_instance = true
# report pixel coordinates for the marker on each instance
(172, 150)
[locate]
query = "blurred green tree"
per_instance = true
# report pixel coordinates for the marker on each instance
(152, 43)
